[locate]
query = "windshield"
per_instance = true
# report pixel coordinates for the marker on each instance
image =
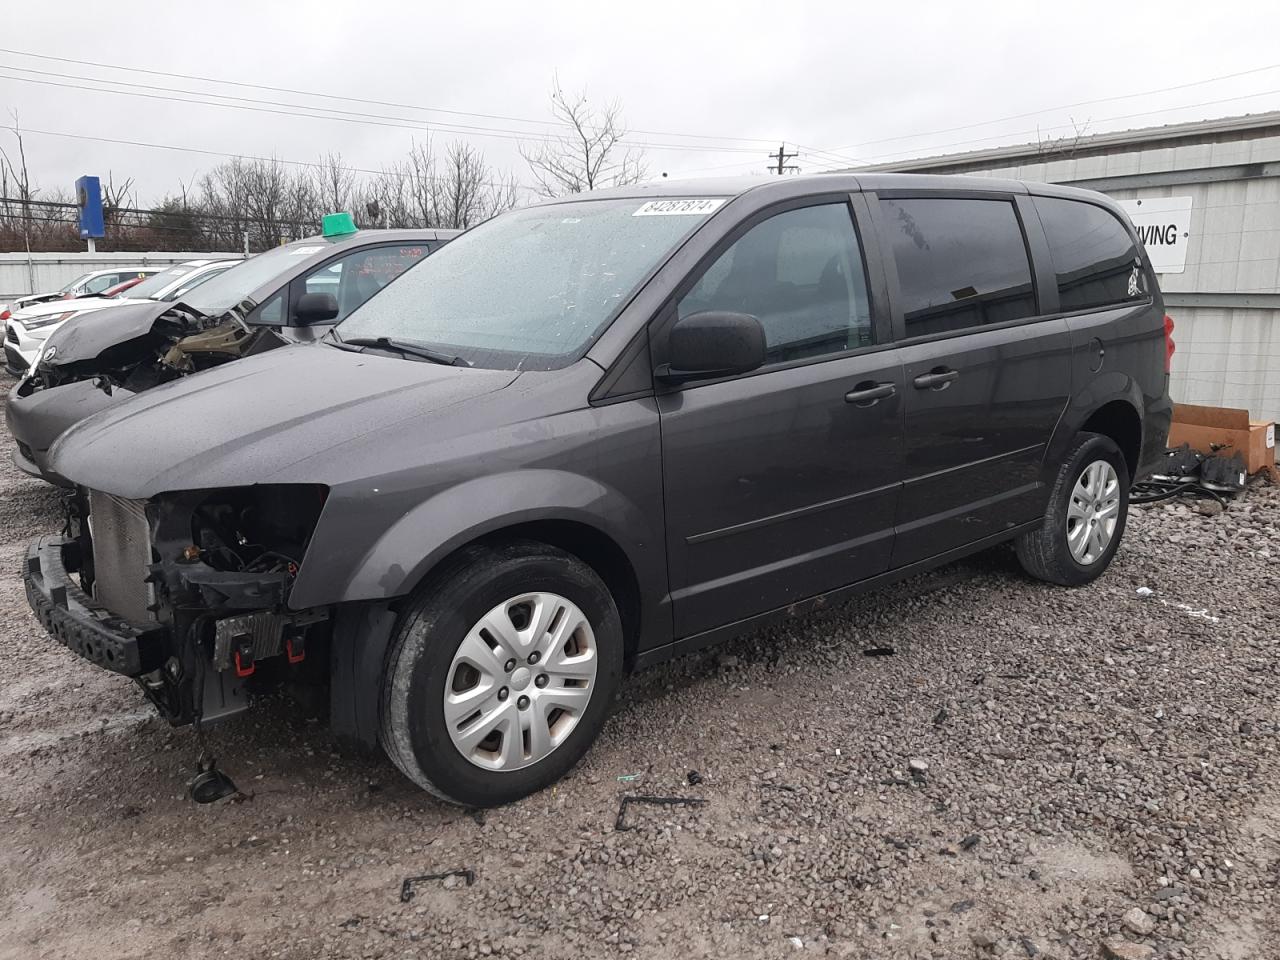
(157, 282)
(186, 286)
(228, 289)
(530, 289)
(76, 282)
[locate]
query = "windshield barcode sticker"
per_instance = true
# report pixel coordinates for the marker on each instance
(669, 208)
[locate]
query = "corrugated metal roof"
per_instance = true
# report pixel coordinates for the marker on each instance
(1196, 131)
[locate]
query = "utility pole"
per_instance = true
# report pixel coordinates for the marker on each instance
(779, 160)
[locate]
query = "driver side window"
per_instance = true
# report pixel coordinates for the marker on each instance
(800, 273)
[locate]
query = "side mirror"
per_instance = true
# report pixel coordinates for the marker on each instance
(315, 308)
(713, 344)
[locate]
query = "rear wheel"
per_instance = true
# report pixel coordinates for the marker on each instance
(1085, 517)
(501, 673)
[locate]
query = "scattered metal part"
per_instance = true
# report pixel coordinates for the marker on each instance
(895, 782)
(940, 717)
(406, 887)
(879, 652)
(210, 784)
(694, 778)
(969, 842)
(352, 922)
(620, 823)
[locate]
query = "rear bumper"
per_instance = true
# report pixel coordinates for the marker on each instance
(75, 621)
(1156, 421)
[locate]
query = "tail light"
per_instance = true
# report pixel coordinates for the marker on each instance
(5, 315)
(1169, 345)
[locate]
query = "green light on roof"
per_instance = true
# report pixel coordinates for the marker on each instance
(337, 225)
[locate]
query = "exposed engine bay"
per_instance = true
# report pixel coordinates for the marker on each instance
(180, 341)
(204, 578)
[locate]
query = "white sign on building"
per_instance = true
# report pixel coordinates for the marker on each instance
(1164, 227)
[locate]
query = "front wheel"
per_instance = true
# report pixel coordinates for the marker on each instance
(1085, 517)
(500, 673)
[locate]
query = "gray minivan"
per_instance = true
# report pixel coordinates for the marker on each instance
(595, 433)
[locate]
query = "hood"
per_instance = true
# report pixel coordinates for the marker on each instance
(111, 326)
(245, 422)
(80, 305)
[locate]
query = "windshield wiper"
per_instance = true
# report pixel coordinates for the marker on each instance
(406, 347)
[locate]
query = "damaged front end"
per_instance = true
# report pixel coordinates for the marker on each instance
(147, 347)
(89, 367)
(187, 593)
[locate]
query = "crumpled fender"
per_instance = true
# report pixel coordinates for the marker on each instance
(422, 537)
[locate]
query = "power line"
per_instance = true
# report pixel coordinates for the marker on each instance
(398, 174)
(348, 99)
(1033, 113)
(400, 123)
(1065, 126)
(781, 158)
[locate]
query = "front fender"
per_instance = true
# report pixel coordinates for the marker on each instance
(423, 536)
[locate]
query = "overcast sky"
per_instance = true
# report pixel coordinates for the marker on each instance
(865, 82)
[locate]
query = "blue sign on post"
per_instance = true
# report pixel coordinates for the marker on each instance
(89, 198)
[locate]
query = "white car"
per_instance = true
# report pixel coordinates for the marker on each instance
(85, 285)
(28, 328)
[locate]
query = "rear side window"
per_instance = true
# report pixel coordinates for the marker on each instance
(1094, 258)
(961, 263)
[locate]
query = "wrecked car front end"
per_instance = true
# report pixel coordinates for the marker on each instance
(186, 593)
(87, 368)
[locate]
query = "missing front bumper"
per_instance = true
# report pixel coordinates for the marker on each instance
(73, 619)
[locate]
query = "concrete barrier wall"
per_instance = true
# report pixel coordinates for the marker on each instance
(46, 272)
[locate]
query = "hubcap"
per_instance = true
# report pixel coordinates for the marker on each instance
(508, 732)
(1093, 512)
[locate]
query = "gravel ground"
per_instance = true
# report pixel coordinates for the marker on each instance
(1034, 772)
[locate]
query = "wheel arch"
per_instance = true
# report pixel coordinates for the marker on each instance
(1119, 420)
(1110, 406)
(597, 549)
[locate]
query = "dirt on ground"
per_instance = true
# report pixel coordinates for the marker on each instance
(968, 764)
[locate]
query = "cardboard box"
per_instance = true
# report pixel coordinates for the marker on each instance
(1229, 430)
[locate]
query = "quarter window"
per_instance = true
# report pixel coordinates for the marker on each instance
(1095, 260)
(961, 263)
(801, 274)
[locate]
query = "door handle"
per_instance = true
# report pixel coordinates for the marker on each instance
(865, 394)
(935, 379)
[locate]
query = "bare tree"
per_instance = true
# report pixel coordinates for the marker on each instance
(335, 184)
(22, 180)
(591, 155)
(468, 191)
(1064, 146)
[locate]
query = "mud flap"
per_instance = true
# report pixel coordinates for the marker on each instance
(361, 634)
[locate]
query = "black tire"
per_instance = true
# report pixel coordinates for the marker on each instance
(1044, 552)
(430, 630)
